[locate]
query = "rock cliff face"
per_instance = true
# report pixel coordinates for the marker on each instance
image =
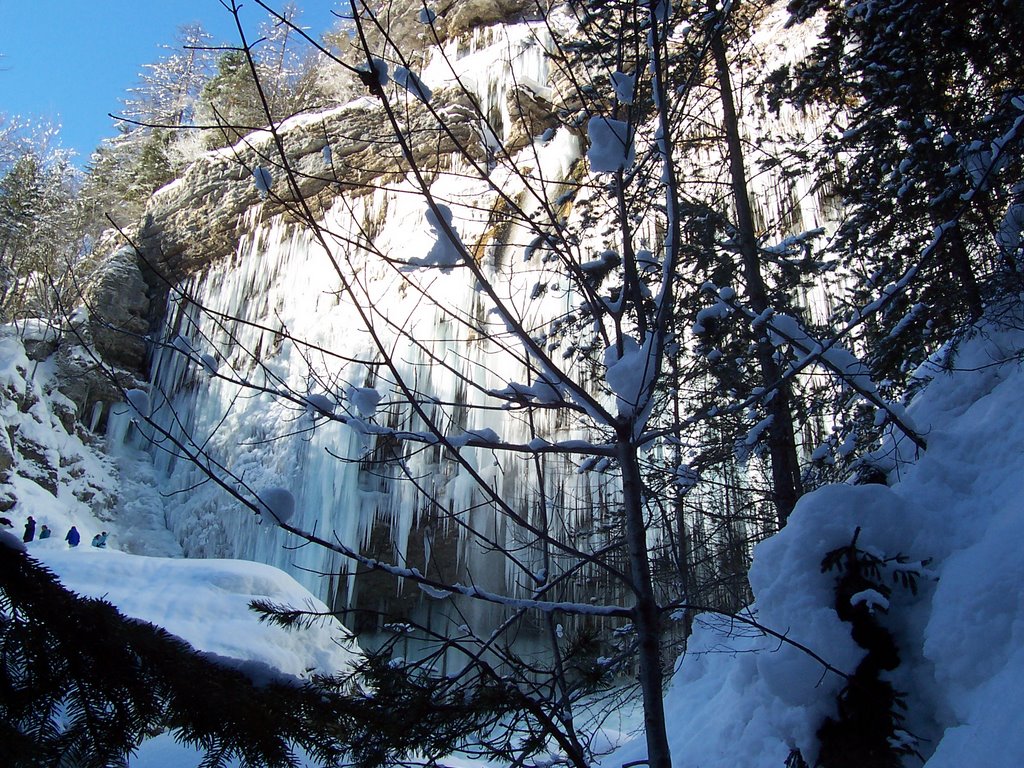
(199, 219)
(247, 291)
(43, 448)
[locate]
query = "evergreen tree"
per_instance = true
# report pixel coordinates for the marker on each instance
(37, 240)
(157, 115)
(931, 139)
(281, 65)
(231, 101)
(266, 80)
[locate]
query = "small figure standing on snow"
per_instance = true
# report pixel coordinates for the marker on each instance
(30, 529)
(44, 532)
(73, 537)
(102, 544)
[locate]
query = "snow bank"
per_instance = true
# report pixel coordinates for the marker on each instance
(206, 603)
(49, 468)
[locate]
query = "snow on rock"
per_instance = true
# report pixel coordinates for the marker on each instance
(46, 468)
(206, 603)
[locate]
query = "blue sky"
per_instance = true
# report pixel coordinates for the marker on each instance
(72, 60)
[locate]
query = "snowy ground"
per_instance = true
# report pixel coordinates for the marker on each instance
(738, 699)
(206, 602)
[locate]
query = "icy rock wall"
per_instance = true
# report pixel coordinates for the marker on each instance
(279, 289)
(260, 346)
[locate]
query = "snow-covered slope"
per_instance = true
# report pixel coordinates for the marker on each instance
(742, 699)
(55, 470)
(61, 480)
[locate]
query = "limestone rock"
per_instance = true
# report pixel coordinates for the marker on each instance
(531, 116)
(6, 454)
(467, 14)
(86, 381)
(117, 301)
(199, 218)
(310, 160)
(39, 337)
(102, 347)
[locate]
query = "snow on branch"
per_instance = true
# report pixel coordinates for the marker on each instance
(541, 391)
(784, 329)
(611, 145)
(981, 162)
(263, 181)
(447, 250)
(411, 82)
(278, 503)
(630, 369)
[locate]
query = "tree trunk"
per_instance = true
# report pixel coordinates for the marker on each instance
(962, 272)
(646, 611)
(786, 483)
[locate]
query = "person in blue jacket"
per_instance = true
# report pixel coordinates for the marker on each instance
(73, 537)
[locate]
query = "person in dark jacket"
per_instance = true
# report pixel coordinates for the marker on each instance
(44, 532)
(30, 529)
(73, 537)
